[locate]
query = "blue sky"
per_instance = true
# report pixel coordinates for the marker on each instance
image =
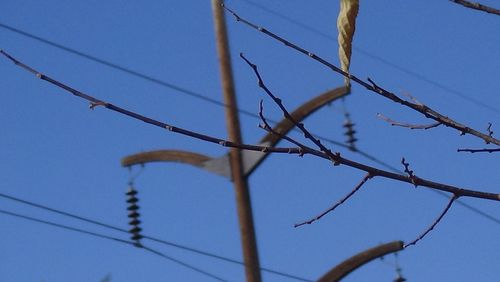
(57, 152)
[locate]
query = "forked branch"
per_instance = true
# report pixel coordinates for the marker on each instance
(336, 158)
(333, 157)
(485, 150)
(284, 150)
(372, 86)
(268, 128)
(411, 175)
(325, 153)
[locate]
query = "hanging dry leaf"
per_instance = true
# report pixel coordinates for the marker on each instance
(346, 24)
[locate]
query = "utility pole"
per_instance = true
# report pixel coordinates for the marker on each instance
(237, 165)
(240, 182)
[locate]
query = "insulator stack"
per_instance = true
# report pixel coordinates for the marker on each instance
(399, 277)
(132, 207)
(350, 132)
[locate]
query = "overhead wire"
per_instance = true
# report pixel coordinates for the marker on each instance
(146, 77)
(246, 112)
(155, 239)
(90, 233)
(122, 68)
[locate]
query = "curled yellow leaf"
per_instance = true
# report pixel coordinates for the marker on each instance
(346, 24)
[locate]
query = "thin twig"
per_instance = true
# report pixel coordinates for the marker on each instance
(268, 128)
(333, 157)
(438, 219)
(372, 86)
(477, 6)
(299, 151)
(411, 175)
(407, 125)
(490, 132)
(485, 150)
(479, 150)
(360, 184)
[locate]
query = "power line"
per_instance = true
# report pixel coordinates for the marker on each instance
(182, 263)
(121, 68)
(378, 58)
(90, 233)
(143, 76)
(161, 241)
(248, 113)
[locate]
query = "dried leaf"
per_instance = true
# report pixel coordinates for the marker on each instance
(346, 24)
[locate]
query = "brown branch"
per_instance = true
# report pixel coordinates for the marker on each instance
(96, 102)
(337, 159)
(438, 219)
(407, 125)
(299, 125)
(372, 86)
(269, 129)
(360, 184)
(477, 6)
(486, 150)
(298, 151)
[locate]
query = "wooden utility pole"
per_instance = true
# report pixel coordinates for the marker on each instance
(244, 205)
(237, 166)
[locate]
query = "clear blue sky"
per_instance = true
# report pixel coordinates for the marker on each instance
(57, 152)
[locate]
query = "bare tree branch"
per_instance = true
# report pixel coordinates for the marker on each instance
(360, 184)
(298, 151)
(333, 157)
(494, 150)
(477, 6)
(438, 219)
(94, 102)
(372, 86)
(408, 125)
(336, 158)
(268, 128)
(485, 150)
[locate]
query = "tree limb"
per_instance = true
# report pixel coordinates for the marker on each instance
(372, 86)
(493, 150)
(284, 150)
